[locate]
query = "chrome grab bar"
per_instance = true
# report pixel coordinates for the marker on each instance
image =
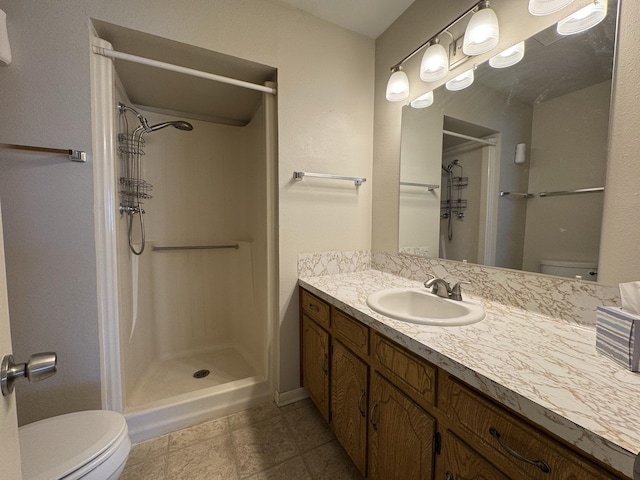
(553, 194)
(428, 186)
(571, 192)
(196, 247)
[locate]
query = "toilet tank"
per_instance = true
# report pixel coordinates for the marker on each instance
(566, 268)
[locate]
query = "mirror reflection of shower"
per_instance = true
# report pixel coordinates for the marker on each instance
(133, 188)
(451, 206)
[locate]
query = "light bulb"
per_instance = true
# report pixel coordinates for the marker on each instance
(398, 86)
(461, 81)
(509, 57)
(583, 19)
(546, 7)
(423, 101)
(435, 63)
(482, 33)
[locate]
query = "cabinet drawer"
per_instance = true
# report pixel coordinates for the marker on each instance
(511, 442)
(412, 374)
(315, 308)
(352, 333)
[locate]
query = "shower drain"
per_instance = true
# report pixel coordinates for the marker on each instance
(201, 373)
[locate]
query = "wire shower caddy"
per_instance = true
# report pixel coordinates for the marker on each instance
(133, 189)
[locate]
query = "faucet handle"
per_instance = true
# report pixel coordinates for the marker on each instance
(456, 293)
(431, 277)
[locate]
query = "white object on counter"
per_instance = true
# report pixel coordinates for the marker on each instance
(630, 295)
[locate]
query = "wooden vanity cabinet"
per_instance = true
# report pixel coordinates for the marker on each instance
(401, 435)
(460, 462)
(401, 418)
(315, 364)
(314, 350)
(349, 401)
(508, 441)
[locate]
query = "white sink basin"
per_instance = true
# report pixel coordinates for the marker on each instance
(416, 305)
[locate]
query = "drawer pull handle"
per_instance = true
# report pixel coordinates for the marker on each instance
(448, 476)
(313, 307)
(325, 364)
(374, 424)
(536, 463)
(362, 412)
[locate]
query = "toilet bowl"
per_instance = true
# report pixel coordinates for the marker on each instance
(570, 269)
(91, 445)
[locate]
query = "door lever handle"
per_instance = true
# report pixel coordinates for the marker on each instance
(38, 367)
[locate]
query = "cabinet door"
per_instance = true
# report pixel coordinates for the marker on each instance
(349, 403)
(460, 462)
(315, 364)
(400, 435)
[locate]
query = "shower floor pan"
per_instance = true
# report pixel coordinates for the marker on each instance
(175, 376)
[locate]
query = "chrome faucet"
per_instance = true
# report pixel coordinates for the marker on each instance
(442, 289)
(439, 287)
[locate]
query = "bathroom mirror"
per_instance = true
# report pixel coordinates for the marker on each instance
(510, 171)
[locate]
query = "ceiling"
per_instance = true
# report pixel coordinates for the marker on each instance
(368, 17)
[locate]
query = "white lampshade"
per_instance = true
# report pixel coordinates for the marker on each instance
(398, 86)
(423, 101)
(435, 63)
(509, 57)
(583, 19)
(482, 33)
(461, 81)
(546, 7)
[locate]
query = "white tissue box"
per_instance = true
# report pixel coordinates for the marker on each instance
(617, 336)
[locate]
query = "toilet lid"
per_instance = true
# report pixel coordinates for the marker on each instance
(56, 447)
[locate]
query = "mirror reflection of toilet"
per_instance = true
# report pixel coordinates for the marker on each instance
(570, 269)
(92, 445)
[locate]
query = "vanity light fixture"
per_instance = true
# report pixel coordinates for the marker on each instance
(547, 7)
(461, 81)
(435, 62)
(583, 19)
(482, 34)
(508, 57)
(483, 31)
(398, 86)
(423, 101)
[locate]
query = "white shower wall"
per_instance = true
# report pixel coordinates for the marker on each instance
(208, 188)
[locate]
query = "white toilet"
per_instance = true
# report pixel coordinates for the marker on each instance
(91, 445)
(563, 268)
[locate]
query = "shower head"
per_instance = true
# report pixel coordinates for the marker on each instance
(179, 124)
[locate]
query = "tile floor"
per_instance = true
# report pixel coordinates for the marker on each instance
(263, 443)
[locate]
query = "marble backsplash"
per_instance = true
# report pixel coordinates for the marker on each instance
(566, 299)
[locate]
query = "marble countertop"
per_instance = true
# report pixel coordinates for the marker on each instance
(545, 369)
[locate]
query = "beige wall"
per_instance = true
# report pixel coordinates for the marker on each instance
(424, 17)
(619, 255)
(421, 146)
(325, 111)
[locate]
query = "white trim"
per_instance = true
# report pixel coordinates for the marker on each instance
(489, 203)
(105, 206)
(109, 52)
(290, 396)
(273, 304)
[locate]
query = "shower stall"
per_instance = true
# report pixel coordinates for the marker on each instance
(185, 228)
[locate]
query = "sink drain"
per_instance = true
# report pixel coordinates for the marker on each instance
(201, 373)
